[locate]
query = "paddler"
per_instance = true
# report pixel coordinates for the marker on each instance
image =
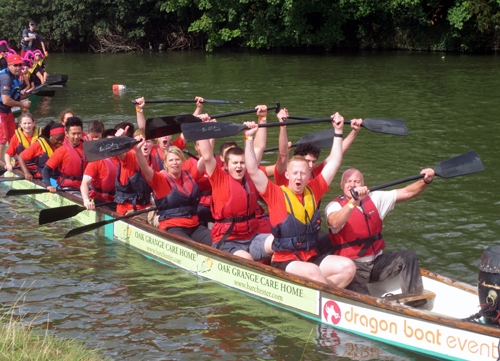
(23, 137)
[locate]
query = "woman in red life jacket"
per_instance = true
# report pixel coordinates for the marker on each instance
(96, 131)
(39, 152)
(176, 195)
(24, 136)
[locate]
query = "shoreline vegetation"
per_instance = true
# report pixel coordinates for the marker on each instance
(21, 340)
(123, 26)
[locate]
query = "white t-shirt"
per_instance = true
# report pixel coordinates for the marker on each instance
(384, 202)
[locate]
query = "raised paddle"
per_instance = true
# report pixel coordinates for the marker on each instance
(213, 101)
(91, 227)
(59, 213)
(107, 147)
(467, 163)
(321, 139)
(22, 192)
(168, 125)
(197, 131)
(379, 125)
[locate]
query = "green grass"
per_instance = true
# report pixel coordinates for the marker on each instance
(20, 341)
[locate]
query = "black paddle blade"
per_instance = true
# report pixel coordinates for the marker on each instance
(321, 139)
(467, 163)
(386, 126)
(56, 214)
(107, 147)
(168, 125)
(198, 131)
(20, 192)
(46, 93)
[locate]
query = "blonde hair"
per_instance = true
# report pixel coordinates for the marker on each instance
(141, 132)
(176, 151)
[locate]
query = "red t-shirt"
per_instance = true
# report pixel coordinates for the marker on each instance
(275, 199)
(162, 188)
(14, 142)
(98, 169)
(60, 158)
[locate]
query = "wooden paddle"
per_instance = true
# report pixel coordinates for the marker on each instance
(59, 213)
(91, 227)
(168, 125)
(379, 125)
(21, 192)
(321, 139)
(197, 131)
(216, 101)
(467, 163)
(107, 147)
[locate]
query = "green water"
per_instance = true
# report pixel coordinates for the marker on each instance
(137, 309)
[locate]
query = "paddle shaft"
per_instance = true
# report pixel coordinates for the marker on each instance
(91, 227)
(214, 101)
(20, 192)
(10, 179)
(241, 112)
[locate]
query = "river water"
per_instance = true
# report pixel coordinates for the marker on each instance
(134, 308)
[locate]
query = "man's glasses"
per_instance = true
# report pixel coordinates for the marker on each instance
(17, 65)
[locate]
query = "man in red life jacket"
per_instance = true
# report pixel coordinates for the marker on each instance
(68, 159)
(294, 214)
(356, 226)
(235, 204)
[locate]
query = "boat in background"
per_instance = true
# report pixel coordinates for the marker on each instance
(440, 328)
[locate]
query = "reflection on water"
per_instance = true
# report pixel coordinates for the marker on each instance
(137, 309)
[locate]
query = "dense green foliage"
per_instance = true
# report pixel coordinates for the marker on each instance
(121, 25)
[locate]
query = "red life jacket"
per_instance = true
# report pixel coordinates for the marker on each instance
(237, 216)
(105, 188)
(72, 173)
(361, 235)
(157, 158)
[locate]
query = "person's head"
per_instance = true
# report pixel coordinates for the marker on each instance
(351, 178)
(174, 158)
(27, 123)
(148, 144)
(74, 130)
(309, 151)
(38, 55)
(96, 129)
(224, 147)
(124, 125)
(64, 115)
(234, 158)
(32, 24)
(3, 48)
(56, 135)
(15, 63)
(164, 142)
(109, 133)
(297, 173)
(26, 66)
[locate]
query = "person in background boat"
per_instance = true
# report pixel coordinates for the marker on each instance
(176, 194)
(295, 217)
(28, 77)
(30, 40)
(23, 137)
(41, 65)
(356, 226)
(10, 91)
(64, 115)
(132, 191)
(235, 204)
(3, 55)
(69, 159)
(95, 131)
(40, 151)
(99, 178)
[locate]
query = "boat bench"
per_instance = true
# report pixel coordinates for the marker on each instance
(411, 296)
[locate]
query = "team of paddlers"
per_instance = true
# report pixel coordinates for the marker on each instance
(216, 199)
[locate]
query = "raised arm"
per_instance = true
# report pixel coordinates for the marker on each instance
(146, 170)
(335, 157)
(261, 136)
(139, 108)
(199, 105)
(258, 177)
(355, 128)
(283, 150)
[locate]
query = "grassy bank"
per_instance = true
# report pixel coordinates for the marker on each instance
(20, 341)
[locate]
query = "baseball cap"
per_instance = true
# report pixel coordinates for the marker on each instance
(14, 59)
(32, 22)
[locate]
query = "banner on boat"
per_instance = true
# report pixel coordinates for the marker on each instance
(445, 342)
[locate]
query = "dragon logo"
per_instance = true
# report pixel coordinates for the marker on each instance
(331, 312)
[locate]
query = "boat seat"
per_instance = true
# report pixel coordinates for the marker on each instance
(410, 297)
